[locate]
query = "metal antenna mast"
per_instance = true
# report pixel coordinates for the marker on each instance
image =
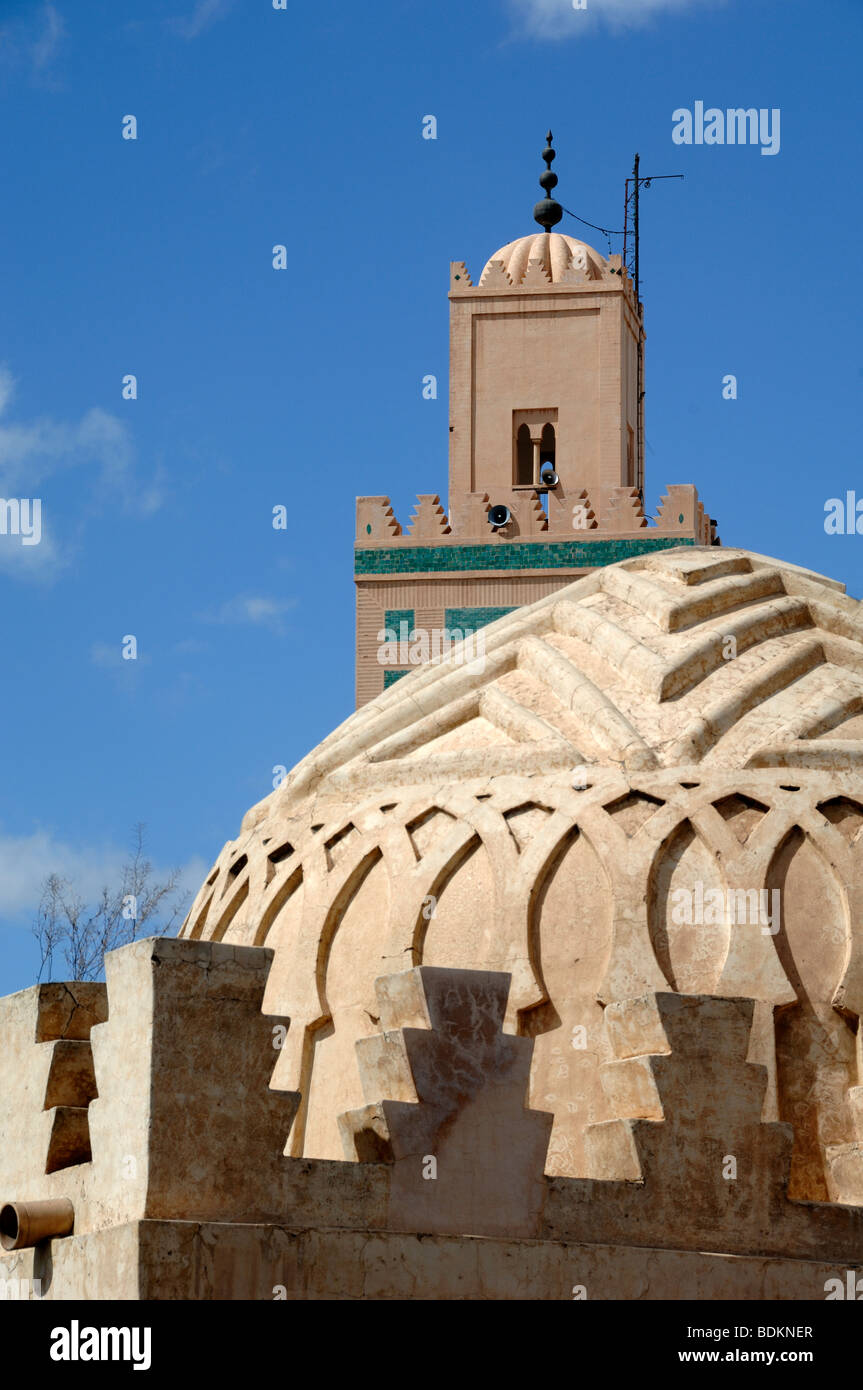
(630, 260)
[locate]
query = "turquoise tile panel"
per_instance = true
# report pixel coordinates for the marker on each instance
(390, 677)
(470, 619)
(394, 617)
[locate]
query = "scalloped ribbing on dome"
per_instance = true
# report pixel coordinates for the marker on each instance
(559, 255)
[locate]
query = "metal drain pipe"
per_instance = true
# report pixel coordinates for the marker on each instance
(26, 1223)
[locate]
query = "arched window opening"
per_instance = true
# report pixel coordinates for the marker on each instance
(524, 456)
(546, 449)
(534, 445)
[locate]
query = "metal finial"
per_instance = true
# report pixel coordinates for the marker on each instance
(547, 212)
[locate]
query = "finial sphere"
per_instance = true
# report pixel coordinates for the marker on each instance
(547, 212)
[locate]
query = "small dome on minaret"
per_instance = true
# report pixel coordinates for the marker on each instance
(558, 254)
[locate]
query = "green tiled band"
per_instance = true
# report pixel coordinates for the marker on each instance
(520, 555)
(390, 677)
(469, 619)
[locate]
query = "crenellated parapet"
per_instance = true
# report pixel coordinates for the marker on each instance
(448, 1091)
(376, 521)
(681, 513)
(429, 520)
(469, 514)
(571, 514)
(459, 277)
(622, 510)
(494, 278)
(445, 570)
(191, 1191)
(147, 1097)
(44, 1104)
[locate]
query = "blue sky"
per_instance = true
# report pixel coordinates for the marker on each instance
(302, 387)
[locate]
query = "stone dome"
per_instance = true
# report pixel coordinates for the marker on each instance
(685, 721)
(561, 257)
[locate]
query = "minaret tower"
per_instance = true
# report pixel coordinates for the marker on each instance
(544, 415)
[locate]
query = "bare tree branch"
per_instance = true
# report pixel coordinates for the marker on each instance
(79, 935)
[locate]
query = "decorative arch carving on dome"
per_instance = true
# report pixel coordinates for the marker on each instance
(444, 867)
(632, 965)
(199, 921)
(209, 893)
(280, 891)
(816, 1063)
(687, 922)
(233, 871)
(228, 912)
(526, 823)
(487, 810)
(742, 813)
(846, 814)
(349, 886)
(317, 1029)
(633, 810)
(442, 880)
(569, 933)
(547, 853)
(480, 834)
(276, 857)
(844, 863)
(425, 830)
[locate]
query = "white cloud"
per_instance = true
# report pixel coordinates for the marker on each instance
(104, 655)
(205, 13)
(7, 387)
(109, 655)
(31, 452)
(557, 19)
(253, 611)
(33, 38)
(191, 646)
(40, 562)
(27, 860)
(124, 673)
(47, 41)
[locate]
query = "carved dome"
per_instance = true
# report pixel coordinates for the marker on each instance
(690, 717)
(561, 257)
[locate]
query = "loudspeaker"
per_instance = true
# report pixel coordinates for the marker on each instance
(549, 478)
(499, 516)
